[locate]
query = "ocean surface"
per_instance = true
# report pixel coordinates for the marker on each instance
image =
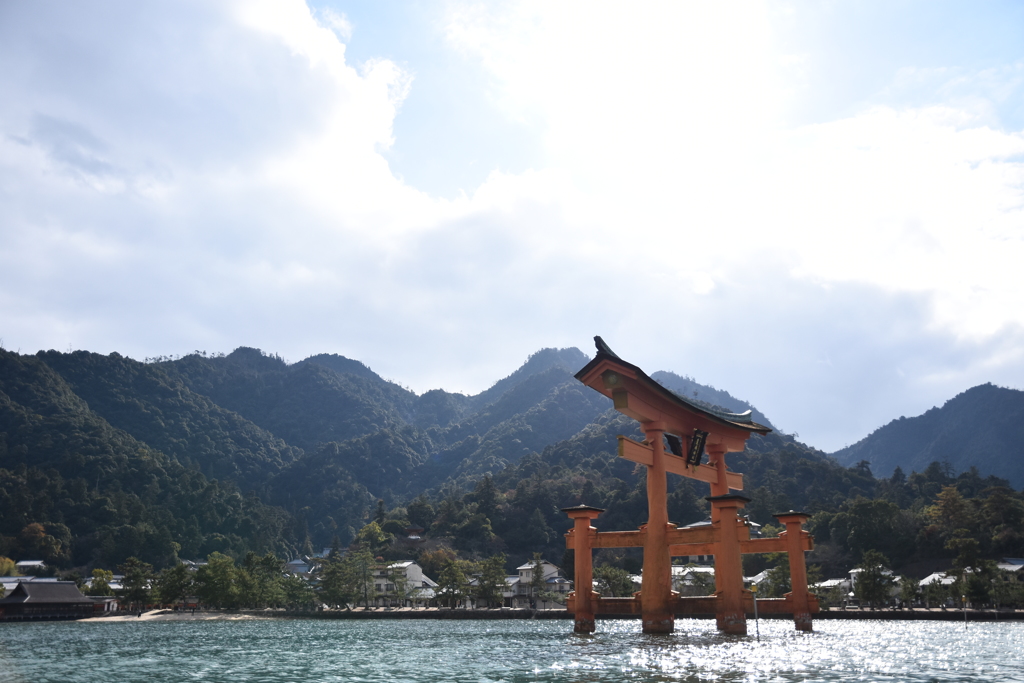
(484, 651)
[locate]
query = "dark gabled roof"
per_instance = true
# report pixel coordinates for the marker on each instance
(741, 420)
(63, 592)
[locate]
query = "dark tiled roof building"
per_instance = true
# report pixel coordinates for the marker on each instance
(32, 600)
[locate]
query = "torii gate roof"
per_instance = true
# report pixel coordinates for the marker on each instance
(635, 381)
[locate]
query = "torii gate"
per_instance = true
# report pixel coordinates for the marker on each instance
(689, 429)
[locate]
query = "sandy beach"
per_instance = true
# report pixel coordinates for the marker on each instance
(170, 615)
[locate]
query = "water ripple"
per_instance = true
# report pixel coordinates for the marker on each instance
(506, 652)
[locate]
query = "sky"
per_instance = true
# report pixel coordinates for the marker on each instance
(816, 206)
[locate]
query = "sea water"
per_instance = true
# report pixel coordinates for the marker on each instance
(483, 651)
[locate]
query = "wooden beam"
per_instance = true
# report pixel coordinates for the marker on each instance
(702, 534)
(611, 539)
(620, 539)
(644, 454)
(751, 546)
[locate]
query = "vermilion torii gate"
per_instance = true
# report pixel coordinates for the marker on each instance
(688, 429)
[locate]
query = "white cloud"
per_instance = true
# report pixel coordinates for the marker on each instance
(206, 175)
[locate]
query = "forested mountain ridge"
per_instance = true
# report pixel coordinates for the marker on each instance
(76, 490)
(102, 457)
(983, 427)
(322, 440)
(162, 412)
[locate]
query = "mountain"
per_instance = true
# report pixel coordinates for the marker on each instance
(983, 427)
(74, 489)
(102, 457)
(313, 444)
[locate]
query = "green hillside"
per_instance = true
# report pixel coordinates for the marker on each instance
(102, 457)
(100, 494)
(983, 428)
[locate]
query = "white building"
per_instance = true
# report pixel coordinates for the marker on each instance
(521, 592)
(402, 584)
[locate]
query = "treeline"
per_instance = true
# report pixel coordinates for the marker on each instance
(258, 581)
(923, 521)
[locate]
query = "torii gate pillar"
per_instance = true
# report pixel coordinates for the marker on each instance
(583, 596)
(730, 616)
(656, 584)
(798, 594)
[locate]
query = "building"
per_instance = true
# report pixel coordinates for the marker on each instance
(692, 579)
(45, 600)
(402, 584)
(521, 591)
(298, 567)
(33, 567)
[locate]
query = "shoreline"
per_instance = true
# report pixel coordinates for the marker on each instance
(499, 614)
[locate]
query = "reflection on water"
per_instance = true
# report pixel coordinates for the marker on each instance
(513, 651)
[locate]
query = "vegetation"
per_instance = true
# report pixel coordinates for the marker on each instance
(247, 461)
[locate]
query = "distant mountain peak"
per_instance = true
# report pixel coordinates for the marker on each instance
(341, 364)
(255, 359)
(981, 427)
(569, 359)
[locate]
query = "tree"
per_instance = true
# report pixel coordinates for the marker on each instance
(491, 582)
(950, 512)
(980, 584)
(537, 584)
(874, 581)
(614, 580)
(536, 532)
(266, 573)
(215, 581)
(910, 591)
(434, 561)
(336, 585)
(486, 495)
(174, 584)
(136, 582)
(452, 585)
(101, 579)
(421, 512)
(297, 593)
(8, 567)
(776, 582)
(372, 538)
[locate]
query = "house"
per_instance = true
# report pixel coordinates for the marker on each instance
(401, 584)
(115, 584)
(755, 532)
(32, 567)
(693, 580)
(298, 567)
(9, 583)
(522, 593)
(45, 600)
(941, 578)
(104, 603)
(1013, 565)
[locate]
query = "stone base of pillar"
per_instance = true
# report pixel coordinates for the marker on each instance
(803, 622)
(659, 623)
(734, 623)
(584, 624)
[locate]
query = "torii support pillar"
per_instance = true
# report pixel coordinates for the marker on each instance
(583, 595)
(798, 597)
(730, 615)
(656, 583)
